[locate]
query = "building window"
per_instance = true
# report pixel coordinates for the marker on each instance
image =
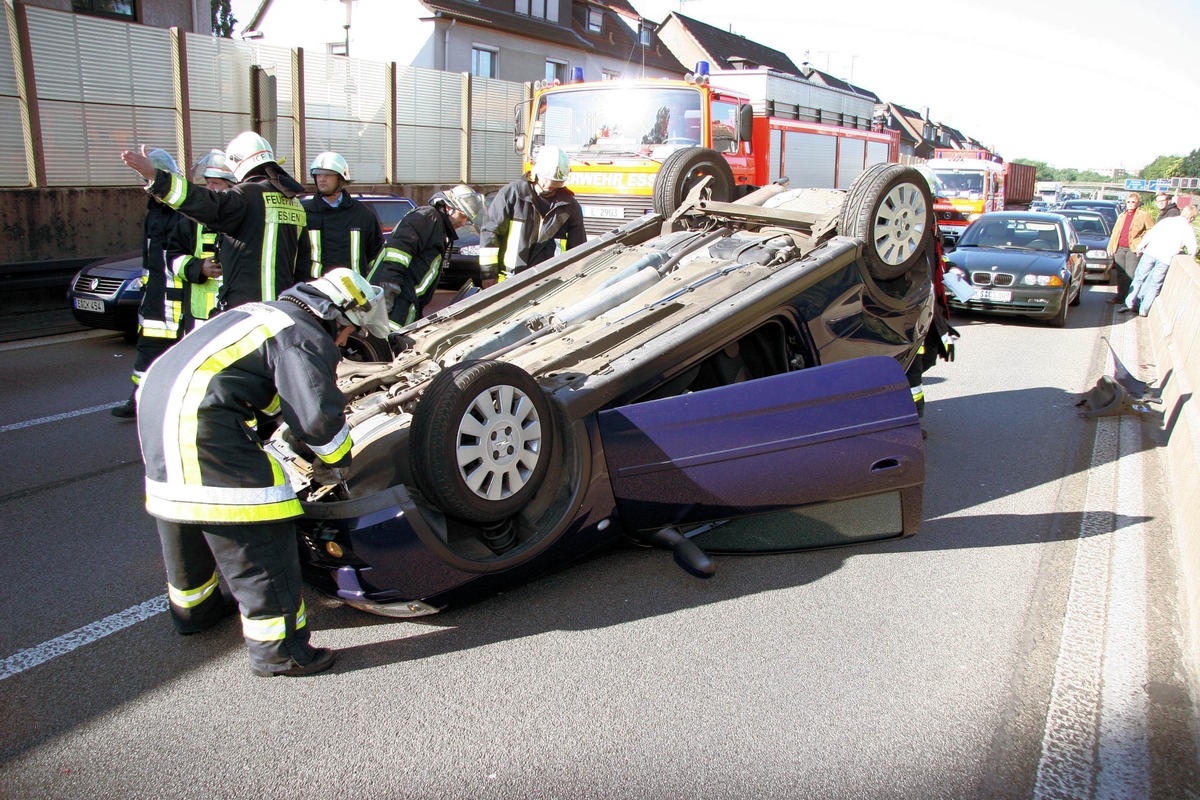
(335, 48)
(595, 20)
(609, 75)
(121, 9)
(483, 62)
(556, 71)
(541, 9)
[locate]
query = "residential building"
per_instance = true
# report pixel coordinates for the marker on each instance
(194, 16)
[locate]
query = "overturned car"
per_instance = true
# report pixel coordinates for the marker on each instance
(728, 380)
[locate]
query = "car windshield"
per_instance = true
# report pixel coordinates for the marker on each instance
(389, 211)
(606, 121)
(1013, 234)
(1088, 223)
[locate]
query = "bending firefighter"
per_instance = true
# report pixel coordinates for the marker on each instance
(532, 219)
(411, 262)
(223, 505)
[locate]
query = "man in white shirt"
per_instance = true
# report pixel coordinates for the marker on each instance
(1162, 243)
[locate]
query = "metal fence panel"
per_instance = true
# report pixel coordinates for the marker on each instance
(12, 132)
(428, 126)
(83, 141)
(278, 62)
(850, 161)
(493, 103)
(809, 159)
(345, 104)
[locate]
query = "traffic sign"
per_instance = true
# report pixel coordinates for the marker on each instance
(1135, 185)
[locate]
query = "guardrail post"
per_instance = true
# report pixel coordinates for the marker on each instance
(31, 121)
(183, 111)
(465, 131)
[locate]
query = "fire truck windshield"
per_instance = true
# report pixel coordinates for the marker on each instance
(960, 183)
(618, 119)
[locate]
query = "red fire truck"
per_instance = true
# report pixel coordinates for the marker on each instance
(638, 146)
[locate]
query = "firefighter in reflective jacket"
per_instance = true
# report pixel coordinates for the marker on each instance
(532, 219)
(223, 504)
(409, 266)
(341, 231)
(192, 249)
(260, 217)
(161, 310)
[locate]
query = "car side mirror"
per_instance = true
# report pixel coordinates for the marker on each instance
(1079, 248)
(745, 122)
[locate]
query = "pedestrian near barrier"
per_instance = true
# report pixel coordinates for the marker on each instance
(1131, 226)
(1167, 239)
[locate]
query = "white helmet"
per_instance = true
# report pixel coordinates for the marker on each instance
(552, 165)
(361, 304)
(330, 162)
(461, 198)
(213, 164)
(247, 151)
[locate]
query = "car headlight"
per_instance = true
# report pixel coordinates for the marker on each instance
(470, 250)
(1097, 254)
(1041, 280)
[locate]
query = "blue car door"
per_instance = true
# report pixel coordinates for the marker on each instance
(814, 458)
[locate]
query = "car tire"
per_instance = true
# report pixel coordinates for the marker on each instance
(1059, 320)
(683, 169)
(889, 207)
(360, 347)
(481, 440)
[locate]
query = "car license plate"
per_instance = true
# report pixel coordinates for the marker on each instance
(605, 212)
(995, 295)
(83, 304)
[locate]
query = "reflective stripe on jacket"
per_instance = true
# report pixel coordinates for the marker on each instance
(523, 228)
(161, 311)
(261, 223)
(198, 400)
(411, 262)
(345, 235)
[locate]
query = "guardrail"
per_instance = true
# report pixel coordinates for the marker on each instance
(1175, 336)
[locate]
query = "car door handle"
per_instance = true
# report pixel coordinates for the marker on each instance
(884, 464)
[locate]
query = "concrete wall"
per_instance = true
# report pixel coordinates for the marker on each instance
(1175, 336)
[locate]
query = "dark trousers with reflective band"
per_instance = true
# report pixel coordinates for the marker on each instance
(262, 568)
(1126, 261)
(148, 349)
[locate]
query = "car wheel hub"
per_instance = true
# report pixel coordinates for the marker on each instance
(499, 442)
(900, 223)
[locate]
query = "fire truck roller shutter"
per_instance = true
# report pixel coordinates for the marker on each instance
(890, 209)
(683, 169)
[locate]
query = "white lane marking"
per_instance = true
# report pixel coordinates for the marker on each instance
(29, 423)
(30, 657)
(1095, 741)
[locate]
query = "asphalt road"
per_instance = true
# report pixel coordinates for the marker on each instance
(1023, 644)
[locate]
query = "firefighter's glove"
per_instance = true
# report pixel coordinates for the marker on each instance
(327, 475)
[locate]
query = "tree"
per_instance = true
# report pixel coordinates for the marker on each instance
(1162, 167)
(222, 18)
(1189, 166)
(1044, 171)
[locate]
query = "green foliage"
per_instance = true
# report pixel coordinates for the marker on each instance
(1189, 166)
(222, 18)
(1045, 172)
(1162, 167)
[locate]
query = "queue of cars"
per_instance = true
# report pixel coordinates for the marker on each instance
(106, 294)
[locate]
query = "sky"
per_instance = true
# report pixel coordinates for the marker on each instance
(1089, 84)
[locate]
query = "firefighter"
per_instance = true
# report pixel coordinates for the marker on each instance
(341, 231)
(161, 309)
(260, 217)
(532, 219)
(410, 263)
(192, 249)
(939, 340)
(222, 504)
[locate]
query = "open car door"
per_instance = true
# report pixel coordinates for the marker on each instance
(819, 457)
